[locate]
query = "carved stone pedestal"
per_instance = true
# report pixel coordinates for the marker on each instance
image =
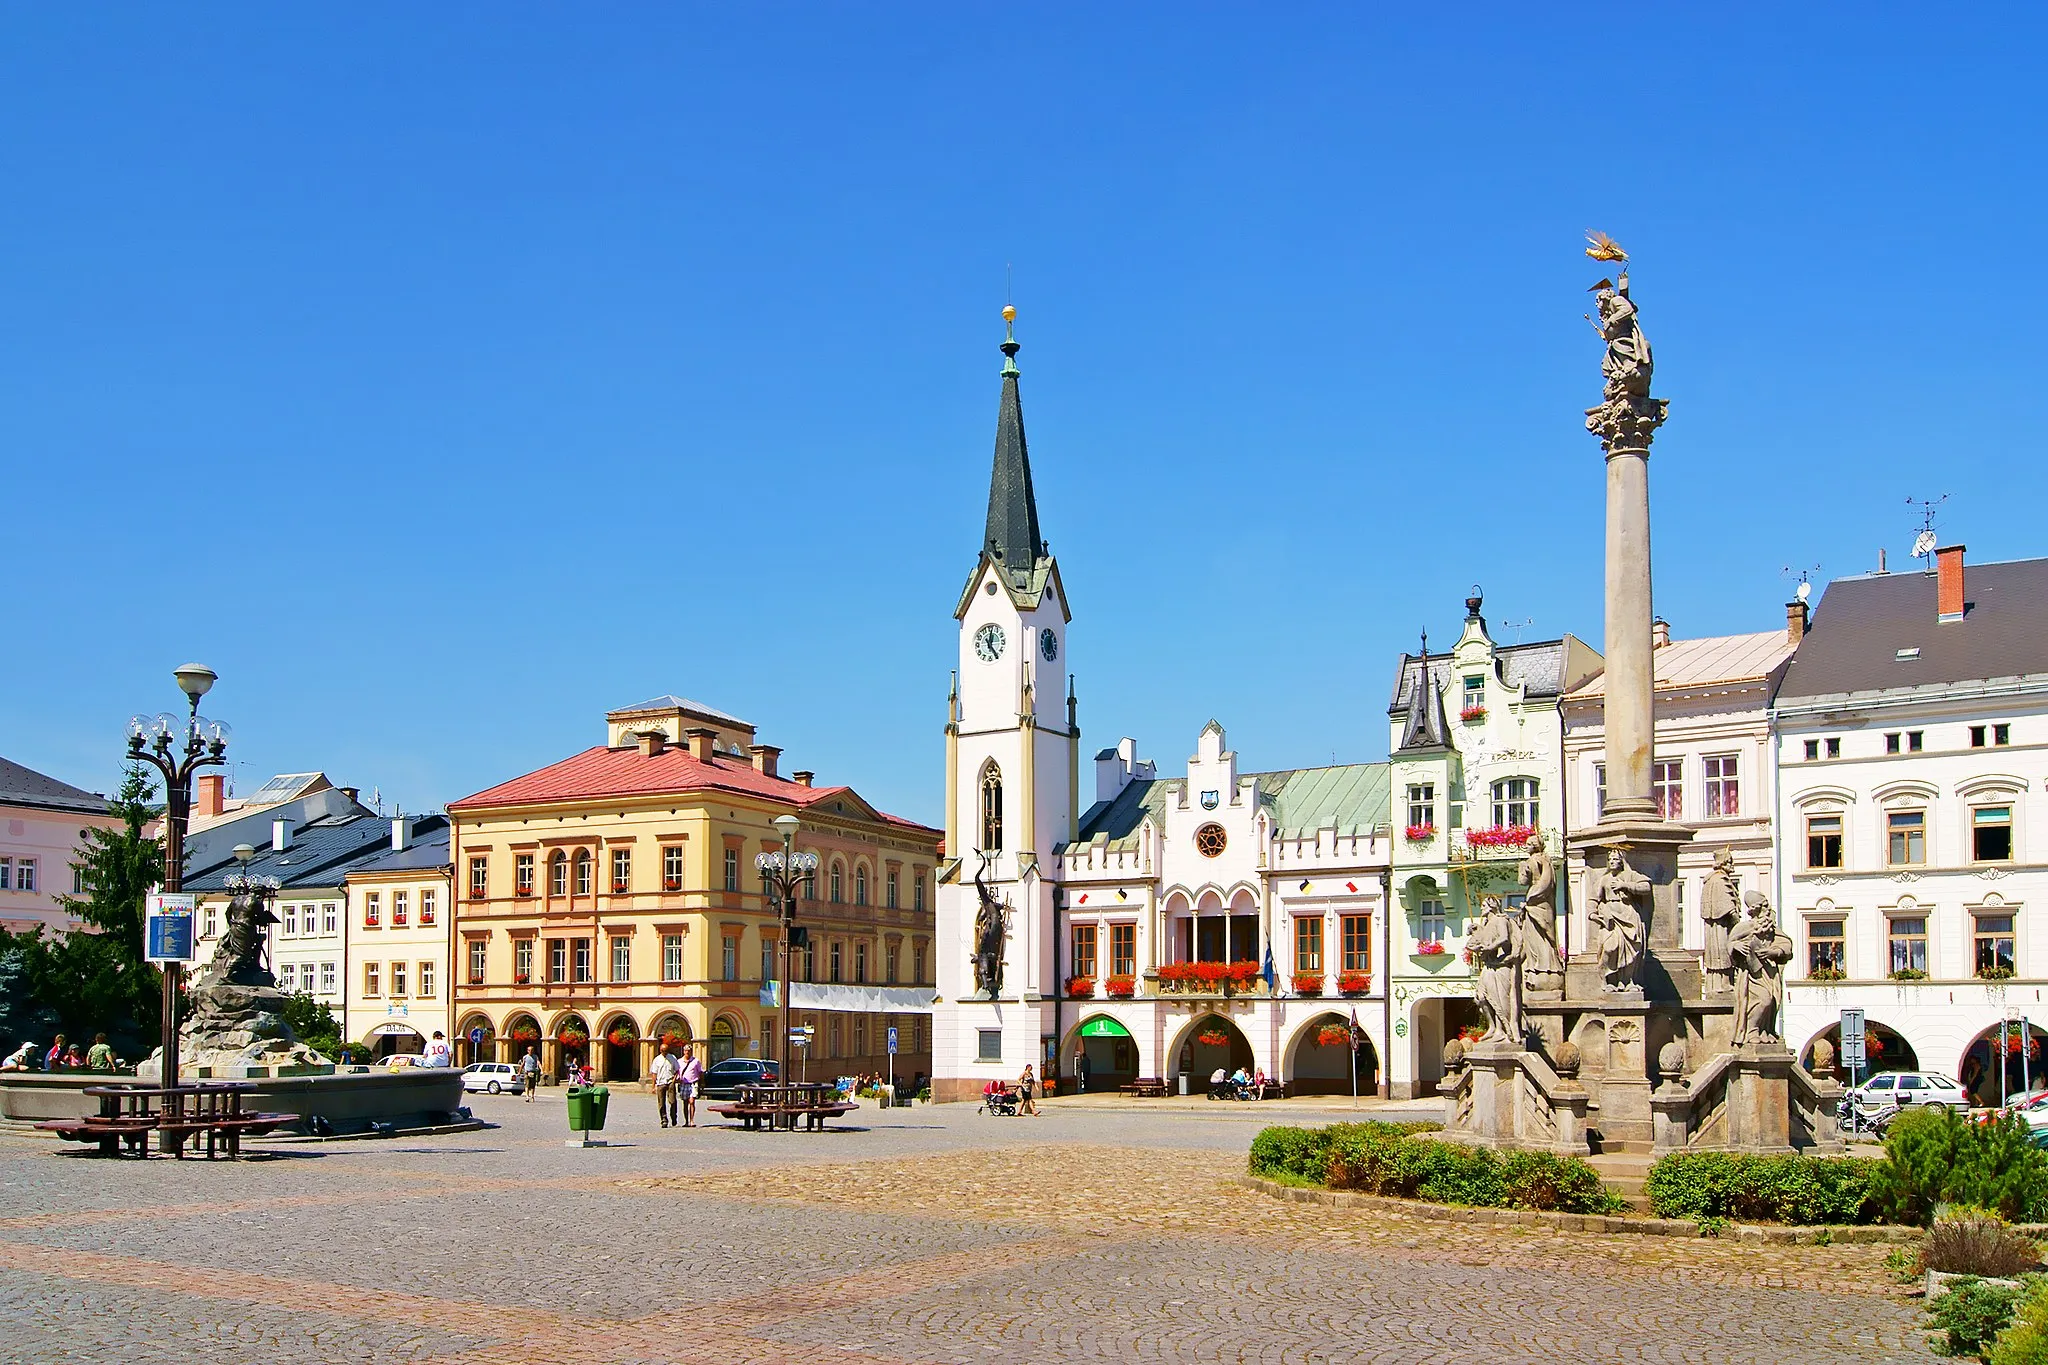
(1508, 1097)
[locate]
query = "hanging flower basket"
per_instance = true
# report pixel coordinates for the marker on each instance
(1121, 987)
(1308, 983)
(1214, 1037)
(1080, 985)
(1472, 713)
(1500, 836)
(524, 1034)
(572, 1037)
(1333, 1035)
(1354, 983)
(1419, 834)
(622, 1036)
(672, 1039)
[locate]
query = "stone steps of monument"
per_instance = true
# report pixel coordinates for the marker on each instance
(1625, 1173)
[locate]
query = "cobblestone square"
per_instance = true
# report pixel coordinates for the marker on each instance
(925, 1234)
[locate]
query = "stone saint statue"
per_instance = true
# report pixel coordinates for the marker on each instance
(239, 960)
(1496, 945)
(1760, 953)
(1720, 907)
(1542, 965)
(1627, 416)
(989, 932)
(1614, 895)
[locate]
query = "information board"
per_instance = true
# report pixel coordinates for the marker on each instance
(167, 926)
(1852, 1039)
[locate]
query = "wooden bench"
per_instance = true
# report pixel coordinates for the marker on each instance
(112, 1134)
(1145, 1088)
(773, 1116)
(225, 1133)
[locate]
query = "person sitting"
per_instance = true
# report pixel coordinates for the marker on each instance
(1260, 1084)
(20, 1059)
(1241, 1083)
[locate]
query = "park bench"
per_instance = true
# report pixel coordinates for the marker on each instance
(1145, 1088)
(130, 1113)
(783, 1106)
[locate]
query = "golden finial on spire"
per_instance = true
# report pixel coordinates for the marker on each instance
(1009, 312)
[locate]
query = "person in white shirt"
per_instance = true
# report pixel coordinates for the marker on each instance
(664, 1077)
(438, 1052)
(687, 1080)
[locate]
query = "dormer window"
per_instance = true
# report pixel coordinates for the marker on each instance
(1473, 703)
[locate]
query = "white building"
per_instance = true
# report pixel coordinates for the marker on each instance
(1711, 769)
(1912, 815)
(1158, 874)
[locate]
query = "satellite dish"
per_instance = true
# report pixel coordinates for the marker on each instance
(1805, 591)
(1923, 544)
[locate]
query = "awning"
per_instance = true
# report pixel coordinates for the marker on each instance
(1103, 1027)
(811, 995)
(388, 1030)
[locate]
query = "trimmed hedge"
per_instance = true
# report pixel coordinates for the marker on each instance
(1389, 1159)
(1779, 1189)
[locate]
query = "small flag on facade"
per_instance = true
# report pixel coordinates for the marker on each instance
(1083, 900)
(1122, 894)
(1304, 884)
(1351, 886)
(1268, 972)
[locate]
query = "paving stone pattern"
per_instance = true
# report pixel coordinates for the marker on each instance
(922, 1235)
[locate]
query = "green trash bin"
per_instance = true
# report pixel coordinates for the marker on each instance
(579, 1108)
(600, 1098)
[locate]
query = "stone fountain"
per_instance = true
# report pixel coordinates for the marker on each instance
(1637, 1044)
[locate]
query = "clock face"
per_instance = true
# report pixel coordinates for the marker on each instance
(1048, 644)
(988, 642)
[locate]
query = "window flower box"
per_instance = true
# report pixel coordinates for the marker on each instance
(1471, 714)
(1998, 973)
(1308, 983)
(1827, 974)
(1908, 974)
(1174, 976)
(1500, 836)
(1419, 834)
(1354, 983)
(620, 889)
(1121, 987)
(1241, 976)
(1430, 948)
(523, 979)
(671, 883)
(524, 891)
(1081, 986)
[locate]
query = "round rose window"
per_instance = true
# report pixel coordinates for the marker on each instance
(1209, 840)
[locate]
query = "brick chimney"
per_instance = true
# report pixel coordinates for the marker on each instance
(652, 742)
(1949, 602)
(212, 797)
(1795, 622)
(1660, 633)
(700, 742)
(764, 759)
(802, 777)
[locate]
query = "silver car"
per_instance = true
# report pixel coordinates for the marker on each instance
(492, 1078)
(1884, 1094)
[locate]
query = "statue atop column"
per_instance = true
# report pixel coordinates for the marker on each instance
(1760, 953)
(1496, 946)
(1615, 894)
(1720, 908)
(1542, 965)
(1626, 417)
(989, 933)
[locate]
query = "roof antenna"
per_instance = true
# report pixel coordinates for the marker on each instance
(1805, 588)
(1519, 626)
(1924, 543)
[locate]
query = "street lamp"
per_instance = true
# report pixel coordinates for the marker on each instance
(178, 748)
(780, 875)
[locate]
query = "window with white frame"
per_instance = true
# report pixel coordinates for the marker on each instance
(586, 874)
(479, 878)
(1724, 785)
(330, 917)
(1906, 838)
(426, 980)
(622, 870)
(558, 961)
(671, 957)
(24, 874)
(729, 958)
(732, 869)
(398, 978)
(328, 976)
(426, 905)
(288, 977)
(1827, 948)
(622, 957)
(290, 927)
(1473, 696)
(672, 867)
(558, 875)
(1514, 802)
(860, 885)
(1429, 922)
(838, 884)
(1993, 944)
(522, 961)
(400, 909)
(1421, 805)
(889, 889)
(372, 909)
(1991, 834)
(860, 964)
(370, 979)
(479, 957)
(1599, 791)
(917, 890)
(1907, 939)
(585, 968)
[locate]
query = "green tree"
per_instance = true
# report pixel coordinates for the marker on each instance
(100, 982)
(118, 867)
(313, 1022)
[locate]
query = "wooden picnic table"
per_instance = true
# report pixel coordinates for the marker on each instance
(782, 1104)
(130, 1113)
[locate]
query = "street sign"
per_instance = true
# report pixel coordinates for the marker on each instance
(1853, 1055)
(167, 933)
(892, 1040)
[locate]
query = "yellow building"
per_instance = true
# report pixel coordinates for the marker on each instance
(612, 897)
(397, 917)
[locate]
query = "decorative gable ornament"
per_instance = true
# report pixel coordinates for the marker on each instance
(1211, 800)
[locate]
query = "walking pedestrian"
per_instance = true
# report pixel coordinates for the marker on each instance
(687, 1080)
(529, 1074)
(1027, 1086)
(1082, 1066)
(663, 1075)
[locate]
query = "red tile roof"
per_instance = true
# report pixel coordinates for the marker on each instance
(602, 771)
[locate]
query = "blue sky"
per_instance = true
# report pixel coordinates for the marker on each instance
(445, 377)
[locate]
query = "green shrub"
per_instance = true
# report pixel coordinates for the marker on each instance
(1932, 1157)
(1967, 1241)
(2026, 1341)
(1970, 1313)
(1782, 1189)
(1391, 1159)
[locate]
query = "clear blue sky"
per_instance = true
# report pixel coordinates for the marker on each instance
(445, 376)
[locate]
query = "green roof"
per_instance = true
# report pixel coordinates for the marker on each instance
(1352, 797)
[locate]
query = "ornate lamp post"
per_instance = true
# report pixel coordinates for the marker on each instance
(178, 748)
(781, 873)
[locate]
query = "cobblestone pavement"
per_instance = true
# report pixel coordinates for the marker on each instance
(922, 1235)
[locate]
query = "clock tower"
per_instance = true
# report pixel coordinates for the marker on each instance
(1012, 769)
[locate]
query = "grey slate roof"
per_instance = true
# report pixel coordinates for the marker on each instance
(427, 850)
(1425, 727)
(668, 701)
(21, 786)
(321, 854)
(213, 848)
(1354, 797)
(1539, 665)
(1863, 621)
(1012, 537)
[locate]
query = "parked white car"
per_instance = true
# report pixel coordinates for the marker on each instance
(1893, 1090)
(492, 1078)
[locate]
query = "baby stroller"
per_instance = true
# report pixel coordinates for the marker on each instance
(999, 1099)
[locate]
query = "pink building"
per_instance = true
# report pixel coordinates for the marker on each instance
(40, 823)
